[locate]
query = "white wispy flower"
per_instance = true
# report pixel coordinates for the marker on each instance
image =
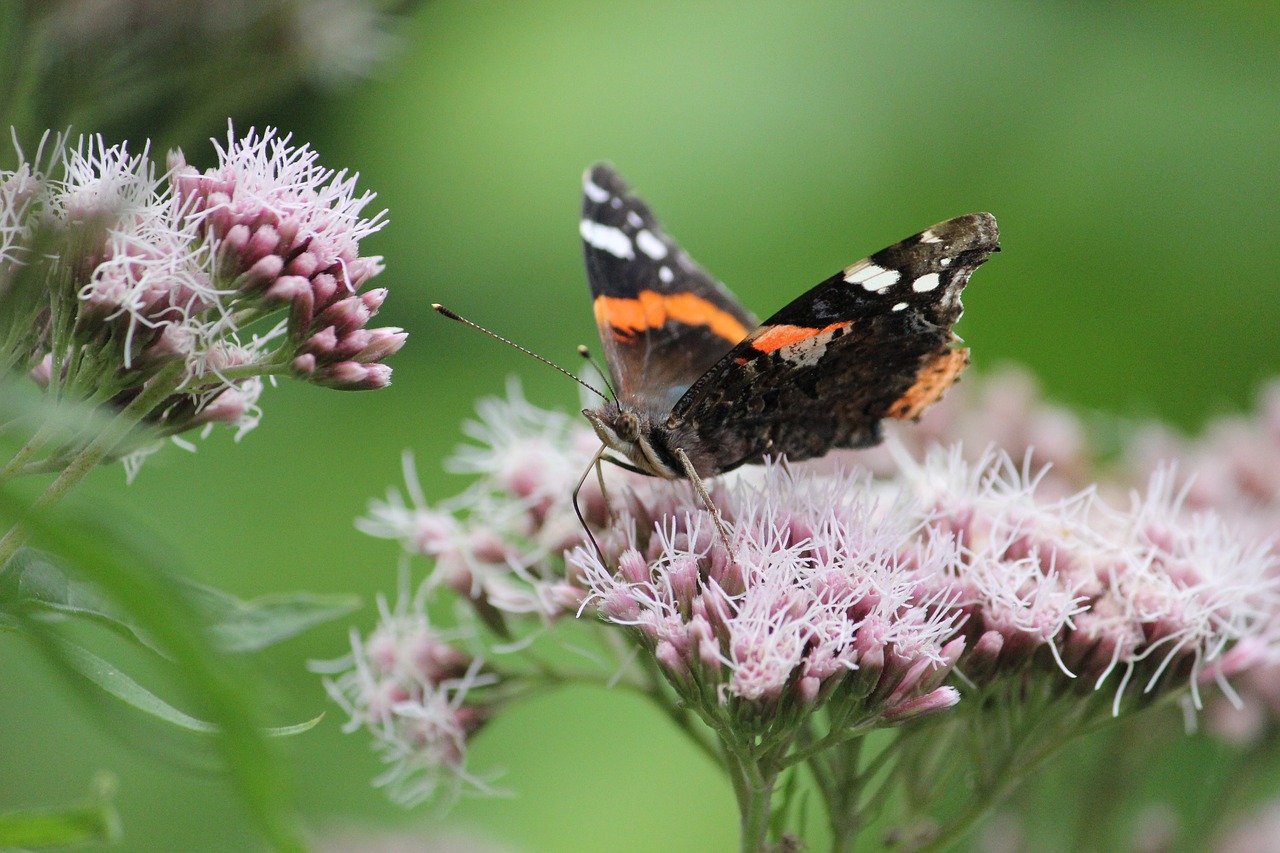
(414, 691)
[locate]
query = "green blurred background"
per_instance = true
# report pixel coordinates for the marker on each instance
(1128, 150)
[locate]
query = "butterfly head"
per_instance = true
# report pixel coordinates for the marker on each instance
(630, 433)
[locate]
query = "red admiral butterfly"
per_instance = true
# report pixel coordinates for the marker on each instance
(702, 389)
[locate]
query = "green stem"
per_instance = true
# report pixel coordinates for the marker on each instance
(246, 371)
(31, 448)
(754, 788)
(829, 741)
(20, 463)
(161, 385)
(1009, 773)
(843, 813)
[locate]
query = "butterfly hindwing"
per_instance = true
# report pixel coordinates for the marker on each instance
(873, 341)
(663, 320)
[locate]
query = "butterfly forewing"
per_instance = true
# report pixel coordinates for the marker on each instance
(663, 320)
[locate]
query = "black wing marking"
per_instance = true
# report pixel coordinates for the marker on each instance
(872, 341)
(663, 320)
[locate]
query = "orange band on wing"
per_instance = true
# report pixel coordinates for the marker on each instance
(652, 310)
(777, 337)
(933, 380)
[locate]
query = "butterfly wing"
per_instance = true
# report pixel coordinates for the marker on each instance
(871, 342)
(663, 320)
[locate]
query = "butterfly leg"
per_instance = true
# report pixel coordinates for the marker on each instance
(701, 489)
(604, 492)
(595, 463)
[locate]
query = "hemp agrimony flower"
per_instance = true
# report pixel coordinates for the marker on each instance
(415, 691)
(153, 298)
(957, 604)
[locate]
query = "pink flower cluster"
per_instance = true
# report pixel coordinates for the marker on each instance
(873, 600)
(497, 544)
(152, 288)
(1084, 591)
(415, 692)
(818, 604)
(1235, 467)
(287, 231)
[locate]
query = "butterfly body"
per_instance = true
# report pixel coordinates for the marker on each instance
(702, 388)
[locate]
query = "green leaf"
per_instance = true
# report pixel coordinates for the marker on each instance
(124, 688)
(245, 626)
(33, 581)
(93, 820)
(136, 573)
(117, 683)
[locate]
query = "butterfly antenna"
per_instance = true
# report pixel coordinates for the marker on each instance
(591, 360)
(452, 316)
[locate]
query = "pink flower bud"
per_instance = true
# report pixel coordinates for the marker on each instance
(632, 567)
(353, 376)
(864, 680)
(303, 366)
(301, 312)
(942, 699)
(345, 315)
(361, 270)
(322, 343)
(352, 343)
(263, 272)
(236, 240)
(174, 342)
(619, 607)
(287, 289)
(325, 288)
(264, 242)
(303, 265)
(229, 407)
(382, 343)
(373, 299)
(669, 658)
(983, 660)
(683, 574)
(42, 373)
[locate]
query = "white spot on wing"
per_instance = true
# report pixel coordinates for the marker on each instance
(944, 262)
(651, 245)
(927, 236)
(872, 277)
(615, 202)
(925, 283)
(607, 239)
(666, 274)
(881, 280)
(594, 191)
(900, 306)
(634, 219)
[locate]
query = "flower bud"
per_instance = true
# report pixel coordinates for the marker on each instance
(942, 699)
(382, 343)
(303, 366)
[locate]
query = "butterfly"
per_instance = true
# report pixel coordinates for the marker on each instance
(701, 388)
